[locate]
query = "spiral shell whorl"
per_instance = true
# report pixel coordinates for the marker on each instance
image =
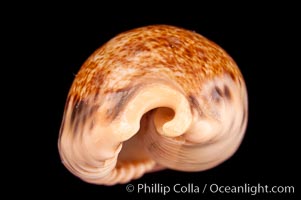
(153, 95)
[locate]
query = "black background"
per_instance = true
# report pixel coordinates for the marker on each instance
(261, 41)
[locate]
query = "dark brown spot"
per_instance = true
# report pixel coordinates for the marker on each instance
(96, 96)
(218, 91)
(74, 111)
(194, 104)
(93, 109)
(121, 97)
(232, 76)
(75, 126)
(81, 111)
(239, 82)
(216, 94)
(77, 114)
(227, 92)
(79, 107)
(91, 125)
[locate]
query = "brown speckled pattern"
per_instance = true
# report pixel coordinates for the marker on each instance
(181, 55)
